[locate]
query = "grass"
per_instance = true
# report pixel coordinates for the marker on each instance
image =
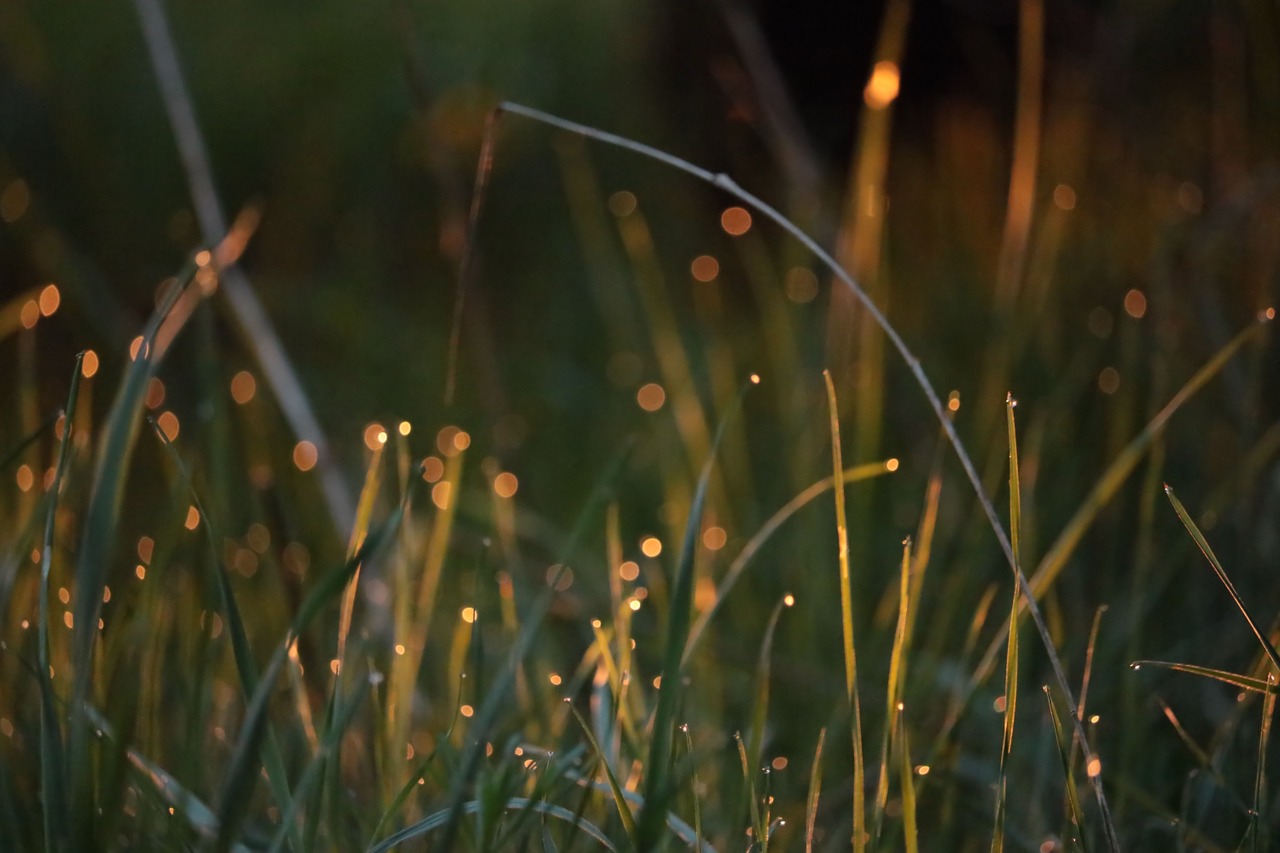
(207, 644)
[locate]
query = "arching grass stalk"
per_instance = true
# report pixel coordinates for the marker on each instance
(730, 186)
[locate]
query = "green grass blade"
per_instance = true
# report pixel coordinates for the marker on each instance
(1257, 820)
(53, 770)
(445, 818)
(241, 652)
(766, 531)
(846, 611)
(624, 811)
(815, 793)
(910, 825)
(658, 789)
(697, 799)
(1222, 575)
(760, 707)
(1075, 813)
(1243, 682)
(1011, 654)
(242, 772)
(101, 517)
(758, 828)
(894, 690)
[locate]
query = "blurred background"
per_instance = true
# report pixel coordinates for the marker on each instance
(1076, 202)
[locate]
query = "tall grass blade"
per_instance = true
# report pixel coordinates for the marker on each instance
(53, 770)
(1257, 818)
(242, 772)
(445, 817)
(1243, 682)
(1075, 813)
(1203, 544)
(697, 788)
(894, 691)
(658, 788)
(846, 612)
(910, 825)
(101, 519)
(760, 707)
(1011, 654)
(765, 533)
(815, 793)
(241, 652)
(624, 811)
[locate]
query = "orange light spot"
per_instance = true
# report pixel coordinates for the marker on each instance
(629, 571)
(779, 763)
(714, 538)
(305, 455)
(1135, 304)
(705, 268)
(203, 257)
(1094, 768)
(651, 546)
(90, 364)
(335, 666)
(140, 571)
(505, 484)
(882, 88)
(135, 347)
(892, 464)
(375, 436)
(432, 469)
(155, 393)
(14, 200)
(193, 518)
(243, 387)
(400, 648)
(26, 478)
(50, 299)
(555, 679)
(68, 619)
(651, 396)
(735, 221)
(467, 711)
(440, 493)
(468, 615)
(168, 423)
(404, 428)
(146, 547)
(30, 314)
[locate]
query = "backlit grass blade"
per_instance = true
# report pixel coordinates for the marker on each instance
(815, 793)
(758, 827)
(242, 772)
(53, 770)
(1222, 576)
(894, 690)
(1011, 654)
(101, 521)
(697, 788)
(760, 707)
(1257, 820)
(241, 652)
(495, 701)
(31, 438)
(658, 788)
(445, 817)
(766, 531)
(910, 826)
(846, 612)
(1075, 813)
(1243, 682)
(624, 810)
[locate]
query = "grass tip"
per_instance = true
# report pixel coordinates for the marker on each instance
(891, 464)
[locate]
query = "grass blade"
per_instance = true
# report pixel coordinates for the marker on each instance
(53, 770)
(445, 817)
(910, 827)
(1244, 682)
(1075, 813)
(658, 789)
(1222, 575)
(1011, 654)
(893, 693)
(846, 611)
(624, 811)
(1257, 820)
(815, 793)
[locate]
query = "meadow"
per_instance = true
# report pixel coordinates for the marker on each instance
(417, 467)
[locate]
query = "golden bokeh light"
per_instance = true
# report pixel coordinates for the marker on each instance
(629, 571)
(375, 436)
(735, 221)
(622, 203)
(714, 538)
(404, 428)
(1109, 380)
(50, 299)
(168, 423)
(154, 398)
(90, 364)
(432, 469)
(305, 455)
(468, 615)
(651, 546)
(30, 314)
(193, 518)
(440, 494)
(243, 387)
(704, 268)
(1064, 196)
(651, 396)
(882, 88)
(505, 484)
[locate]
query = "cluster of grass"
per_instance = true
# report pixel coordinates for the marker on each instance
(757, 631)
